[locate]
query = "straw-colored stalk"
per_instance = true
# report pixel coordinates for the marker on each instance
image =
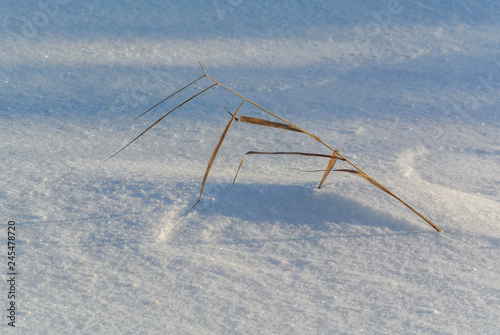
(285, 125)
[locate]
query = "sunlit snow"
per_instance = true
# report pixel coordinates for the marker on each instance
(409, 91)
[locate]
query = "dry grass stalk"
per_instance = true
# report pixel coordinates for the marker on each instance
(329, 168)
(286, 125)
(214, 154)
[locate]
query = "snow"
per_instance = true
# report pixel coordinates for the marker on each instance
(409, 91)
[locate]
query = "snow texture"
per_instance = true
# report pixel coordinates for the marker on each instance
(408, 90)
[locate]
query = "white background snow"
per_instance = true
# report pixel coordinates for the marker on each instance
(408, 90)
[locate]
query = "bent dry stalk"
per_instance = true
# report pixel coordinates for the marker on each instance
(285, 125)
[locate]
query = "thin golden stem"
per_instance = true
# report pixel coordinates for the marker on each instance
(171, 95)
(214, 154)
(157, 121)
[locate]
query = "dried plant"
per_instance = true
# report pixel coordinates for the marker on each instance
(286, 125)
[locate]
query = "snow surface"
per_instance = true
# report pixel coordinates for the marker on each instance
(409, 91)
